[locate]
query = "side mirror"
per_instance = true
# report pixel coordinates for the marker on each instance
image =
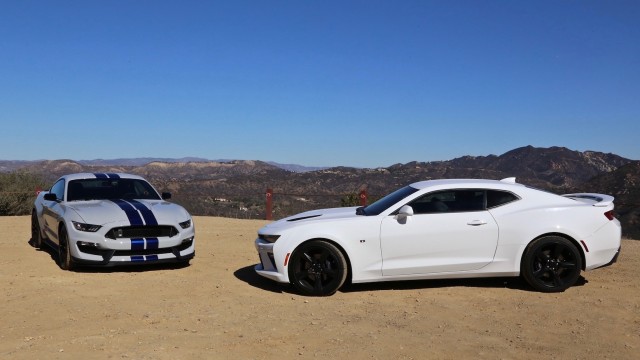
(50, 197)
(405, 211)
(166, 196)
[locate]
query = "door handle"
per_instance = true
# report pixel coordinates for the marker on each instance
(477, 222)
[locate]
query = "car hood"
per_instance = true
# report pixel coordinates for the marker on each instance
(322, 214)
(100, 212)
(313, 216)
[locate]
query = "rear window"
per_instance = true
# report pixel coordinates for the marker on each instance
(497, 198)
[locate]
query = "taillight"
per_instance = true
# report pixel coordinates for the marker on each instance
(610, 215)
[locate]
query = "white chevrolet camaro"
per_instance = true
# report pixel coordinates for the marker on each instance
(440, 229)
(111, 219)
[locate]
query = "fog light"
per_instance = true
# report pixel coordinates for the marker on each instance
(90, 244)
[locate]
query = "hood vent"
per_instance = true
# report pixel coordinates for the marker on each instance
(304, 217)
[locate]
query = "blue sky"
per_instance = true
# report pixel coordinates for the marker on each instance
(358, 83)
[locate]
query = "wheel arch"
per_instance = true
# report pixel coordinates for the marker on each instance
(562, 235)
(337, 245)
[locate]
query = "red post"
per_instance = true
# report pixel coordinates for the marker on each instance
(38, 190)
(269, 214)
(363, 197)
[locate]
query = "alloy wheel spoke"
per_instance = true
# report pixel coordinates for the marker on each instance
(330, 273)
(542, 256)
(324, 256)
(308, 257)
(557, 279)
(539, 274)
(304, 274)
(318, 284)
(567, 265)
(557, 251)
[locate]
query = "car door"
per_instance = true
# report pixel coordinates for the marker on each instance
(450, 231)
(52, 210)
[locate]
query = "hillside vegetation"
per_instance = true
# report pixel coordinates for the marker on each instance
(18, 191)
(237, 188)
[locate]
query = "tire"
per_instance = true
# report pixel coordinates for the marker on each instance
(36, 237)
(551, 264)
(64, 251)
(317, 268)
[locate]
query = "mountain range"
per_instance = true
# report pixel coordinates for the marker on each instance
(237, 188)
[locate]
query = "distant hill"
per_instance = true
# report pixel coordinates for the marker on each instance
(297, 168)
(11, 165)
(624, 184)
(237, 188)
(136, 161)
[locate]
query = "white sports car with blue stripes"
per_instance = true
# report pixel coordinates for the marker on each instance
(109, 219)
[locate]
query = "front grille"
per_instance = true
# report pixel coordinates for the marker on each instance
(108, 254)
(129, 232)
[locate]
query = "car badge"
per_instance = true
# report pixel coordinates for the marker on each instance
(119, 234)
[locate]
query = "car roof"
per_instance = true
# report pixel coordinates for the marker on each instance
(79, 176)
(468, 183)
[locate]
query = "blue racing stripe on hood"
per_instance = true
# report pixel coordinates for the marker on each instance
(147, 214)
(132, 214)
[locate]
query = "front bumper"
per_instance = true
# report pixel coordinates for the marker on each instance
(99, 249)
(268, 267)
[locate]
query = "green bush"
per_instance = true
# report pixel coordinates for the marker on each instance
(18, 191)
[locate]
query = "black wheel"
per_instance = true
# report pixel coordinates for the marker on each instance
(317, 268)
(64, 252)
(551, 264)
(36, 238)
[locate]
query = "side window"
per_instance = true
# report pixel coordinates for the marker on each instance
(497, 198)
(58, 189)
(449, 201)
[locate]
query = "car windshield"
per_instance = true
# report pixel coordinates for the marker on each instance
(383, 204)
(105, 189)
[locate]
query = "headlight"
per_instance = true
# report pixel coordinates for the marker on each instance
(185, 224)
(268, 238)
(86, 227)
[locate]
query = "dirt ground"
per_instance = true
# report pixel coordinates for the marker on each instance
(218, 308)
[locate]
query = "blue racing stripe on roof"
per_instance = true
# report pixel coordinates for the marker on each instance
(132, 214)
(113, 176)
(101, 176)
(147, 214)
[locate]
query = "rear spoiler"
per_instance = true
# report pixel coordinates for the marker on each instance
(599, 200)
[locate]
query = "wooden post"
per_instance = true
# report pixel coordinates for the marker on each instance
(269, 214)
(363, 197)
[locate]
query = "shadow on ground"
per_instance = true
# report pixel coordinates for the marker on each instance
(249, 276)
